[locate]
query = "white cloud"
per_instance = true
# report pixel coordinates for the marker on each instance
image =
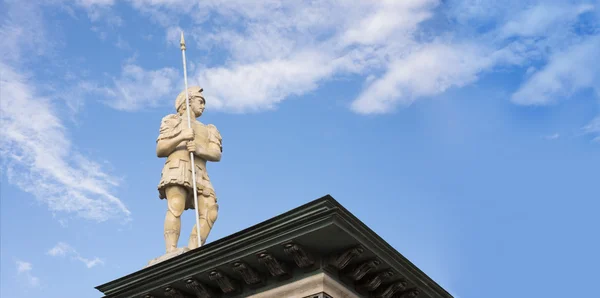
(36, 152)
(279, 49)
(23, 30)
(40, 159)
(542, 18)
(92, 3)
(99, 9)
(24, 269)
(122, 44)
(62, 249)
(427, 71)
(554, 136)
(137, 87)
(89, 263)
(260, 85)
(566, 73)
(388, 18)
(267, 42)
(593, 128)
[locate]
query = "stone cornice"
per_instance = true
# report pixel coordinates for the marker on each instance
(318, 236)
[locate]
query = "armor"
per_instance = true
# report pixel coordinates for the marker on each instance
(177, 169)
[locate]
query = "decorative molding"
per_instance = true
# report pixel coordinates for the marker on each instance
(374, 282)
(411, 293)
(224, 282)
(249, 275)
(319, 295)
(307, 287)
(198, 288)
(319, 222)
(392, 289)
(301, 257)
(275, 267)
(361, 270)
(172, 292)
(341, 260)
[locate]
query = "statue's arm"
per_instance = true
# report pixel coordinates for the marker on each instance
(208, 154)
(166, 146)
(215, 146)
(169, 136)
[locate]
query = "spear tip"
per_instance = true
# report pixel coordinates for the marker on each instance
(182, 42)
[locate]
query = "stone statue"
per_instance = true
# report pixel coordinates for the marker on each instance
(175, 142)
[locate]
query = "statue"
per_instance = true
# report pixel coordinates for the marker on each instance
(175, 142)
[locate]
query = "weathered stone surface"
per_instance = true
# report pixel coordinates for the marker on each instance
(250, 276)
(167, 256)
(311, 286)
(173, 293)
(375, 281)
(224, 282)
(358, 272)
(301, 257)
(389, 290)
(412, 293)
(198, 288)
(341, 260)
(275, 267)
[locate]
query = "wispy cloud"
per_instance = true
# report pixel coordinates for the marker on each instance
(538, 19)
(24, 269)
(40, 159)
(279, 49)
(282, 49)
(37, 153)
(551, 137)
(22, 31)
(62, 249)
(137, 87)
(566, 73)
(261, 85)
(134, 88)
(427, 71)
(593, 128)
(99, 9)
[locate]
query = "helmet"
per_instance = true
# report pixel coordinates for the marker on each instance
(194, 90)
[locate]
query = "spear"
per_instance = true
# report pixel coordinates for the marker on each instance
(187, 104)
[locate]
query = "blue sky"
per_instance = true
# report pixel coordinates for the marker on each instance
(465, 133)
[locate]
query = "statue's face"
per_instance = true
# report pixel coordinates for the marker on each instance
(197, 105)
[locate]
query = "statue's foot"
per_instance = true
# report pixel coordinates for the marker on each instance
(193, 242)
(173, 253)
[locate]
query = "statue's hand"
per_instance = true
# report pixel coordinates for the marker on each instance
(187, 134)
(191, 146)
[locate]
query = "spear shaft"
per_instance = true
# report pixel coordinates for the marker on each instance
(187, 104)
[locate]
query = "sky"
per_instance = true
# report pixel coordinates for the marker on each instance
(466, 133)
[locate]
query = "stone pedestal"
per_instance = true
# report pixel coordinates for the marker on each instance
(317, 250)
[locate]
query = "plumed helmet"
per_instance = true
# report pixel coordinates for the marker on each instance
(193, 91)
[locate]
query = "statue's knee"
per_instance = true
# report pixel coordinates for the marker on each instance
(176, 205)
(213, 212)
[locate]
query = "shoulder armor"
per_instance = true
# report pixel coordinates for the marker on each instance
(215, 136)
(169, 127)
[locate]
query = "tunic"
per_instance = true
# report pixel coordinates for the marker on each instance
(177, 169)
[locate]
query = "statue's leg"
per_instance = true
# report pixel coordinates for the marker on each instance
(176, 204)
(208, 212)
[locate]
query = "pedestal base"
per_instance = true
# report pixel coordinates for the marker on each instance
(176, 252)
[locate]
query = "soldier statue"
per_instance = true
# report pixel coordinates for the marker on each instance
(175, 142)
